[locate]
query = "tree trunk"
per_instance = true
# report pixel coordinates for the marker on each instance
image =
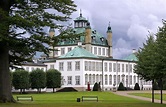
(153, 91)
(53, 89)
(161, 90)
(5, 81)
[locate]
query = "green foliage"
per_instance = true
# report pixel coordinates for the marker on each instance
(53, 77)
(95, 87)
(38, 79)
(31, 17)
(20, 79)
(155, 86)
(151, 58)
(136, 87)
(121, 87)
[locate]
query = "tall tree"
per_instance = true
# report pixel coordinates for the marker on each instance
(20, 17)
(152, 59)
(145, 66)
(53, 78)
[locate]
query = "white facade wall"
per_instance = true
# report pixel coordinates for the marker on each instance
(108, 75)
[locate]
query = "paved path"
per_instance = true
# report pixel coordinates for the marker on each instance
(126, 93)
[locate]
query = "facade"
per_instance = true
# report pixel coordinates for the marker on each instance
(89, 59)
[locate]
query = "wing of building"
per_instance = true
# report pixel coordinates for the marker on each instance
(89, 60)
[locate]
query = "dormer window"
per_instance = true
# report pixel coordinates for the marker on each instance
(102, 39)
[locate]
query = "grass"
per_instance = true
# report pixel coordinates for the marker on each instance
(68, 99)
(149, 95)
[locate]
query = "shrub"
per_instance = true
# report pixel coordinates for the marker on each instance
(121, 87)
(67, 89)
(136, 87)
(95, 87)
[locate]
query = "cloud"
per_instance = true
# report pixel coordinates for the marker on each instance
(131, 20)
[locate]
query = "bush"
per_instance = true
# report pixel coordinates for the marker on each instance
(121, 87)
(136, 87)
(95, 87)
(67, 89)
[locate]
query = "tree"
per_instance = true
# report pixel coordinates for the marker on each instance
(29, 17)
(38, 79)
(136, 87)
(20, 79)
(121, 87)
(152, 59)
(95, 87)
(53, 77)
(145, 66)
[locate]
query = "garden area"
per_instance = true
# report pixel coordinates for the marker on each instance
(69, 99)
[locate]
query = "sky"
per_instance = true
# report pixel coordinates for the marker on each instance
(130, 20)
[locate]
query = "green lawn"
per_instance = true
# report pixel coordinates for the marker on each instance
(149, 95)
(68, 99)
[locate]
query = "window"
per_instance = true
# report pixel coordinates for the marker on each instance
(77, 65)
(32, 69)
(122, 67)
(69, 66)
(52, 66)
(93, 66)
(118, 67)
(93, 79)
(56, 51)
(110, 79)
(103, 51)
(118, 79)
(100, 66)
(69, 80)
(90, 79)
(77, 79)
(97, 78)
(110, 67)
(62, 51)
(105, 67)
(115, 79)
(61, 66)
(106, 80)
(86, 65)
(95, 50)
(126, 67)
(62, 80)
(69, 49)
(86, 79)
(27, 68)
(130, 67)
(107, 52)
(99, 51)
(130, 80)
(114, 66)
(89, 65)
(97, 66)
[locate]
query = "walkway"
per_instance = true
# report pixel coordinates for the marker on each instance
(126, 93)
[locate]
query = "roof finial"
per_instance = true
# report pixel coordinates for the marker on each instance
(109, 24)
(80, 13)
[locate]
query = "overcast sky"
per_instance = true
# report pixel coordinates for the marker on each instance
(130, 20)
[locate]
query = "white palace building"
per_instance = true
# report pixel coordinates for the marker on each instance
(89, 59)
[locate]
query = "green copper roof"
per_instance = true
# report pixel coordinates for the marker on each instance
(80, 18)
(78, 52)
(98, 39)
(131, 57)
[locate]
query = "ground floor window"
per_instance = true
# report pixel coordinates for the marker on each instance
(69, 80)
(77, 79)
